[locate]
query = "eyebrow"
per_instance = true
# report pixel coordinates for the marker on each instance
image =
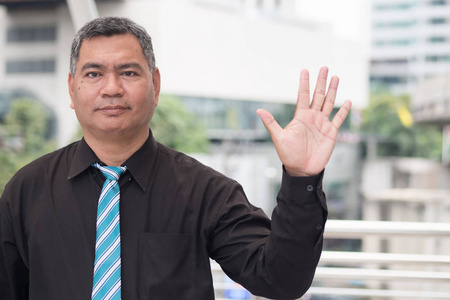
(120, 67)
(130, 66)
(91, 66)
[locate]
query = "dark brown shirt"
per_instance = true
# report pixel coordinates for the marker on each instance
(176, 214)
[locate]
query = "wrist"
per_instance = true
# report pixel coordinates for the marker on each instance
(297, 173)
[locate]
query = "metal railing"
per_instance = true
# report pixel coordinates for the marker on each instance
(370, 270)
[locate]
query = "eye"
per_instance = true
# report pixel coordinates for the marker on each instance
(129, 73)
(92, 74)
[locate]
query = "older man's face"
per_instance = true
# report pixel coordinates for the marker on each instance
(113, 90)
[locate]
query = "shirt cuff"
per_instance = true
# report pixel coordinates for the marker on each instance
(302, 188)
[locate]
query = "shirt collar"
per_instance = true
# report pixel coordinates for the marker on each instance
(139, 164)
(82, 159)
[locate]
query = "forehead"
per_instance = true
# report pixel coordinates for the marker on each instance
(111, 46)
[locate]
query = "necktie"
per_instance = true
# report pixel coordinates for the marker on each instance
(107, 266)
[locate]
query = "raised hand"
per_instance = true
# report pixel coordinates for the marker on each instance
(305, 145)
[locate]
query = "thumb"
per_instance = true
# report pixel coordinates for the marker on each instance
(269, 122)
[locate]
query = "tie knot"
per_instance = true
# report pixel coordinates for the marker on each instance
(110, 173)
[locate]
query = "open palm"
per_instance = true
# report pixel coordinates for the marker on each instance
(305, 145)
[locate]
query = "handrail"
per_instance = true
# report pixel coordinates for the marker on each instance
(358, 229)
(434, 269)
(378, 293)
(353, 273)
(341, 257)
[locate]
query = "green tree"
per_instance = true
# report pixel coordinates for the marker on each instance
(176, 127)
(8, 166)
(387, 117)
(28, 121)
(23, 137)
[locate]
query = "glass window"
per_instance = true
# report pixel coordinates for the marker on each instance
(379, 43)
(32, 34)
(381, 7)
(437, 58)
(395, 24)
(30, 66)
(396, 42)
(388, 79)
(437, 21)
(225, 115)
(438, 2)
(401, 6)
(395, 6)
(236, 115)
(381, 62)
(403, 42)
(437, 39)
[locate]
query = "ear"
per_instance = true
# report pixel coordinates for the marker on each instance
(156, 77)
(70, 83)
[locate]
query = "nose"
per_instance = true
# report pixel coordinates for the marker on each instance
(112, 86)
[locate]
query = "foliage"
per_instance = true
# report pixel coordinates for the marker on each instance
(387, 118)
(8, 167)
(28, 121)
(174, 126)
(23, 137)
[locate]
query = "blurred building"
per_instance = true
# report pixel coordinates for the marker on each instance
(431, 105)
(407, 190)
(236, 50)
(222, 58)
(410, 42)
(410, 54)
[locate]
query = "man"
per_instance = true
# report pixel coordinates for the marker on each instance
(175, 213)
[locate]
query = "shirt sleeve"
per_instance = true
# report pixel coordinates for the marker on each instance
(13, 271)
(274, 258)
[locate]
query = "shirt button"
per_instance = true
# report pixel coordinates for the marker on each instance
(319, 227)
(309, 188)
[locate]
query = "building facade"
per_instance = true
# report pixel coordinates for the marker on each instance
(233, 50)
(410, 42)
(222, 58)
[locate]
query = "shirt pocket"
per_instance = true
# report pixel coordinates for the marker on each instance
(166, 266)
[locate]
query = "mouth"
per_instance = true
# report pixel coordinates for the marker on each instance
(112, 109)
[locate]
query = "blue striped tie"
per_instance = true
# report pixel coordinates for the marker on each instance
(107, 269)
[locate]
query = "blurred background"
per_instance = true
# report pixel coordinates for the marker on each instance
(387, 183)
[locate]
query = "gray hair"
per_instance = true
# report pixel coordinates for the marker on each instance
(111, 26)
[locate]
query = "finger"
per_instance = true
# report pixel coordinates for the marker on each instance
(342, 113)
(270, 123)
(303, 90)
(331, 96)
(319, 91)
